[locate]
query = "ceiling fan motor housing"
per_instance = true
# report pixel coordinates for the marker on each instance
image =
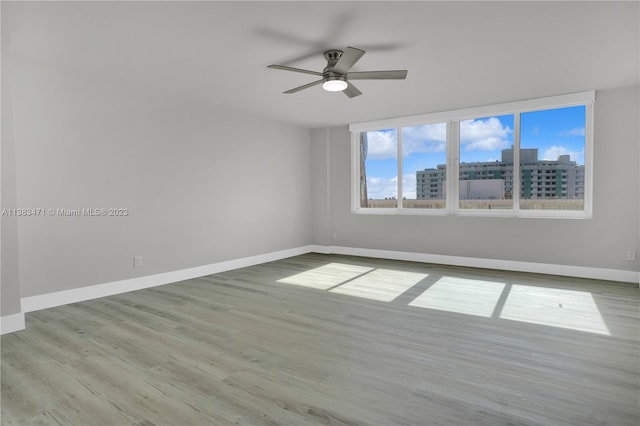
(332, 57)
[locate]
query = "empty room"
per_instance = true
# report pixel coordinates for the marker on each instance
(320, 213)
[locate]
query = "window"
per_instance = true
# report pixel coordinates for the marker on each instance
(529, 158)
(486, 178)
(378, 151)
(424, 156)
(552, 150)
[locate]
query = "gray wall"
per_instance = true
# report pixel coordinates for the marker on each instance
(599, 242)
(320, 185)
(9, 274)
(201, 185)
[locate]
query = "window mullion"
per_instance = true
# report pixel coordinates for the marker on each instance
(355, 174)
(453, 154)
(588, 159)
(400, 189)
(515, 181)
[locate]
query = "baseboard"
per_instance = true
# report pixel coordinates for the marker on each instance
(321, 249)
(50, 300)
(507, 265)
(12, 323)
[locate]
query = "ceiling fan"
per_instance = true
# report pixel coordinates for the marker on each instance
(336, 76)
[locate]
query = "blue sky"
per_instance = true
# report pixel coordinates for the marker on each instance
(554, 132)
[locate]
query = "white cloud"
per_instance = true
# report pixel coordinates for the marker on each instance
(381, 145)
(409, 186)
(380, 188)
(553, 152)
(578, 131)
(484, 134)
(426, 139)
(480, 134)
(429, 138)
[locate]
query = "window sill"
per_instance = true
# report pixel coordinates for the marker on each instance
(526, 214)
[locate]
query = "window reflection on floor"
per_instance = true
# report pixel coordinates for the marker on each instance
(381, 284)
(575, 310)
(326, 276)
(464, 296)
(570, 309)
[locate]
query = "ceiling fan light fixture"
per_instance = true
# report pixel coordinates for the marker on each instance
(335, 85)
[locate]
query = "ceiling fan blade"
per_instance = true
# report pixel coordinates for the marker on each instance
(349, 57)
(306, 86)
(352, 91)
(378, 75)
(282, 67)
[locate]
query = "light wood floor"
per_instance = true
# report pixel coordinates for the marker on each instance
(261, 346)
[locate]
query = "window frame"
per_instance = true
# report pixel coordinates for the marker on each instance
(452, 119)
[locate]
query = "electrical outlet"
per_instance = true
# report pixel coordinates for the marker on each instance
(631, 255)
(137, 261)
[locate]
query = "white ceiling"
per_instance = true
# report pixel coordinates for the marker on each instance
(458, 54)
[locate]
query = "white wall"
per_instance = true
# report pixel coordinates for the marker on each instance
(600, 242)
(201, 185)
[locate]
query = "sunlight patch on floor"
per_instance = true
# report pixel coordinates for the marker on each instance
(575, 310)
(326, 276)
(461, 295)
(381, 284)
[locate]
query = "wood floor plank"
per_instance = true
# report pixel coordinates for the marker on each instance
(275, 344)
